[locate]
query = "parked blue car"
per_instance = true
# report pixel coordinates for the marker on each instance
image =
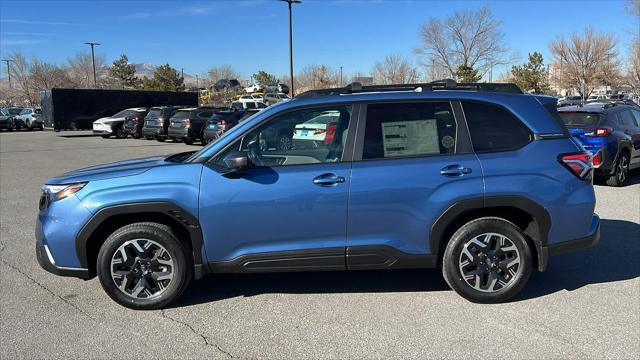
(478, 179)
(611, 132)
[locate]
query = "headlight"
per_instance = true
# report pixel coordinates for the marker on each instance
(59, 192)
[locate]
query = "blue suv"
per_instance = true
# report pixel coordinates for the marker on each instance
(478, 179)
(611, 132)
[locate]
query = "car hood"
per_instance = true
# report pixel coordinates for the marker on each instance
(110, 170)
(106, 120)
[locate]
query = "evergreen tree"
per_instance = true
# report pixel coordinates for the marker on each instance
(263, 77)
(531, 76)
(124, 73)
(467, 74)
(165, 78)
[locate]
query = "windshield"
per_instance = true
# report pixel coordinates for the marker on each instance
(580, 119)
(15, 111)
(123, 113)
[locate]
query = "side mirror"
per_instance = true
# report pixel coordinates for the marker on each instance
(236, 161)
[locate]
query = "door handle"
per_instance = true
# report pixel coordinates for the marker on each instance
(455, 170)
(328, 180)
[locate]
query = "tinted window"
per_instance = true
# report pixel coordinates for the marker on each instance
(636, 117)
(250, 105)
(205, 114)
(494, 128)
(124, 113)
(287, 139)
(409, 129)
(15, 111)
(154, 113)
(182, 114)
(580, 119)
(625, 118)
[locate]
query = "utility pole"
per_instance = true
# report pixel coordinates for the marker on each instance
(93, 61)
(9, 70)
(290, 2)
(182, 73)
(340, 76)
(197, 82)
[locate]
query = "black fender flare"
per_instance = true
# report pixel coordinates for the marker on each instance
(181, 216)
(460, 208)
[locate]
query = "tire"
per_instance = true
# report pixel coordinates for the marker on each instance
(161, 139)
(621, 171)
(135, 135)
(120, 132)
(155, 243)
(188, 141)
(498, 276)
(105, 136)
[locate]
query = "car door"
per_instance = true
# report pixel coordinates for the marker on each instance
(632, 128)
(412, 161)
(288, 211)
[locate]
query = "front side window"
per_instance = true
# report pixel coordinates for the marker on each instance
(494, 128)
(295, 138)
(408, 129)
(625, 118)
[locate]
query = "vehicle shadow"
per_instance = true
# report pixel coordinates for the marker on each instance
(634, 179)
(614, 258)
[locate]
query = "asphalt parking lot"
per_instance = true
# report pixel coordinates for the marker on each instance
(587, 304)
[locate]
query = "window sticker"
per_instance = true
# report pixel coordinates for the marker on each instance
(406, 138)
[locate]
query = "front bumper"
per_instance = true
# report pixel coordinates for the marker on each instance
(570, 246)
(46, 262)
(102, 129)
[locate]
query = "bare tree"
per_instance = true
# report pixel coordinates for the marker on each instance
(316, 77)
(394, 69)
(80, 68)
(587, 60)
(633, 66)
(466, 39)
(223, 72)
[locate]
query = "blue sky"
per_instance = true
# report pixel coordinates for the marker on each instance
(252, 35)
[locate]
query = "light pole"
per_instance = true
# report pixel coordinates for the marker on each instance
(290, 2)
(9, 69)
(93, 61)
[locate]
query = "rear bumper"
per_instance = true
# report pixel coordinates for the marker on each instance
(147, 131)
(180, 133)
(570, 246)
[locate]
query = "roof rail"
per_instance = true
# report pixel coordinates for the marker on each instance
(445, 84)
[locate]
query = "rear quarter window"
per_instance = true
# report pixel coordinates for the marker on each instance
(494, 128)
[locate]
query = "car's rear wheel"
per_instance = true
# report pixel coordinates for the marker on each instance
(188, 141)
(161, 139)
(621, 171)
(144, 266)
(105, 136)
(488, 260)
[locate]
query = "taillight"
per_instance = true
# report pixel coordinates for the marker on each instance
(223, 122)
(187, 121)
(597, 159)
(331, 133)
(598, 132)
(135, 119)
(580, 164)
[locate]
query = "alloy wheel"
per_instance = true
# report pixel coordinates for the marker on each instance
(142, 268)
(622, 169)
(489, 262)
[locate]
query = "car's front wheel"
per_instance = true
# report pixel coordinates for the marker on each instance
(488, 260)
(144, 266)
(121, 133)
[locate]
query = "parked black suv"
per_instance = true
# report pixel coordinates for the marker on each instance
(156, 123)
(133, 124)
(219, 123)
(186, 124)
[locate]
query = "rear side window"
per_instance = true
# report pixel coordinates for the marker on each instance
(494, 128)
(409, 129)
(625, 118)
